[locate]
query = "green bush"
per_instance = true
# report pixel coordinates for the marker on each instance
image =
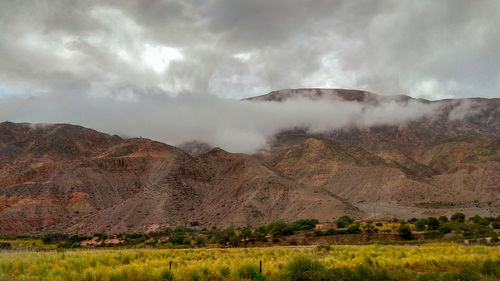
(303, 268)
(200, 241)
(245, 233)
(279, 228)
(432, 223)
(458, 217)
(166, 275)
(305, 224)
(476, 219)
(249, 271)
(344, 221)
(405, 233)
(443, 219)
(201, 274)
(234, 240)
(354, 229)
(178, 239)
(419, 225)
(54, 238)
(491, 268)
(463, 274)
(445, 228)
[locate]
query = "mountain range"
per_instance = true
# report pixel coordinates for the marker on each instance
(71, 179)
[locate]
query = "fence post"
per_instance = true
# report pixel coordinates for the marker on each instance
(260, 267)
(170, 266)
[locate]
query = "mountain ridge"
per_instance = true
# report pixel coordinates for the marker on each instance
(67, 178)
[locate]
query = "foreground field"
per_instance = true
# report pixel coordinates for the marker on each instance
(430, 262)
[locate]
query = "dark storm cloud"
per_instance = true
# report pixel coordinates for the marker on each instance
(130, 51)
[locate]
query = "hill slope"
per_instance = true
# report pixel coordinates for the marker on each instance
(66, 178)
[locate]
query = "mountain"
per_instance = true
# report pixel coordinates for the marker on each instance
(67, 178)
(436, 164)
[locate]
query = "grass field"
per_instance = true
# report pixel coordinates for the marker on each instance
(429, 262)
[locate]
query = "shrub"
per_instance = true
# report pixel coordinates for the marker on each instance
(379, 224)
(354, 229)
(130, 236)
(200, 241)
(166, 275)
(305, 224)
(245, 233)
(445, 228)
(463, 274)
(178, 239)
(234, 240)
(432, 234)
(443, 219)
(491, 268)
(279, 228)
(419, 225)
(201, 274)
(476, 219)
(405, 233)
(432, 223)
(5, 245)
(302, 268)
(249, 271)
(495, 239)
(68, 245)
(458, 217)
(344, 221)
(53, 238)
(224, 271)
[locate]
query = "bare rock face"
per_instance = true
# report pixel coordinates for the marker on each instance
(66, 178)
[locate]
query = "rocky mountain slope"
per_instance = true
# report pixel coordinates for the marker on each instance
(437, 164)
(66, 178)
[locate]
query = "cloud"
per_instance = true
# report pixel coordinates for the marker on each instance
(234, 48)
(237, 126)
(129, 66)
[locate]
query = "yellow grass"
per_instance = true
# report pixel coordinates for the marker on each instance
(223, 264)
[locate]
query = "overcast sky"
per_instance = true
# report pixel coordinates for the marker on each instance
(236, 49)
(174, 70)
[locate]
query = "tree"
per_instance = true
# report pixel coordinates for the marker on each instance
(279, 228)
(234, 240)
(344, 221)
(432, 223)
(458, 217)
(199, 242)
(476, 218)
(305, 224)
(445, 228)
(443, 219)
(245, 233)
(419, 225)
(405, 232)
(354, 229)
(178, 239)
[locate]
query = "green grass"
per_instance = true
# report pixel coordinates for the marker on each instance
(441, 261)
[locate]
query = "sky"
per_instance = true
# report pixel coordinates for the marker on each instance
(69, 61)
